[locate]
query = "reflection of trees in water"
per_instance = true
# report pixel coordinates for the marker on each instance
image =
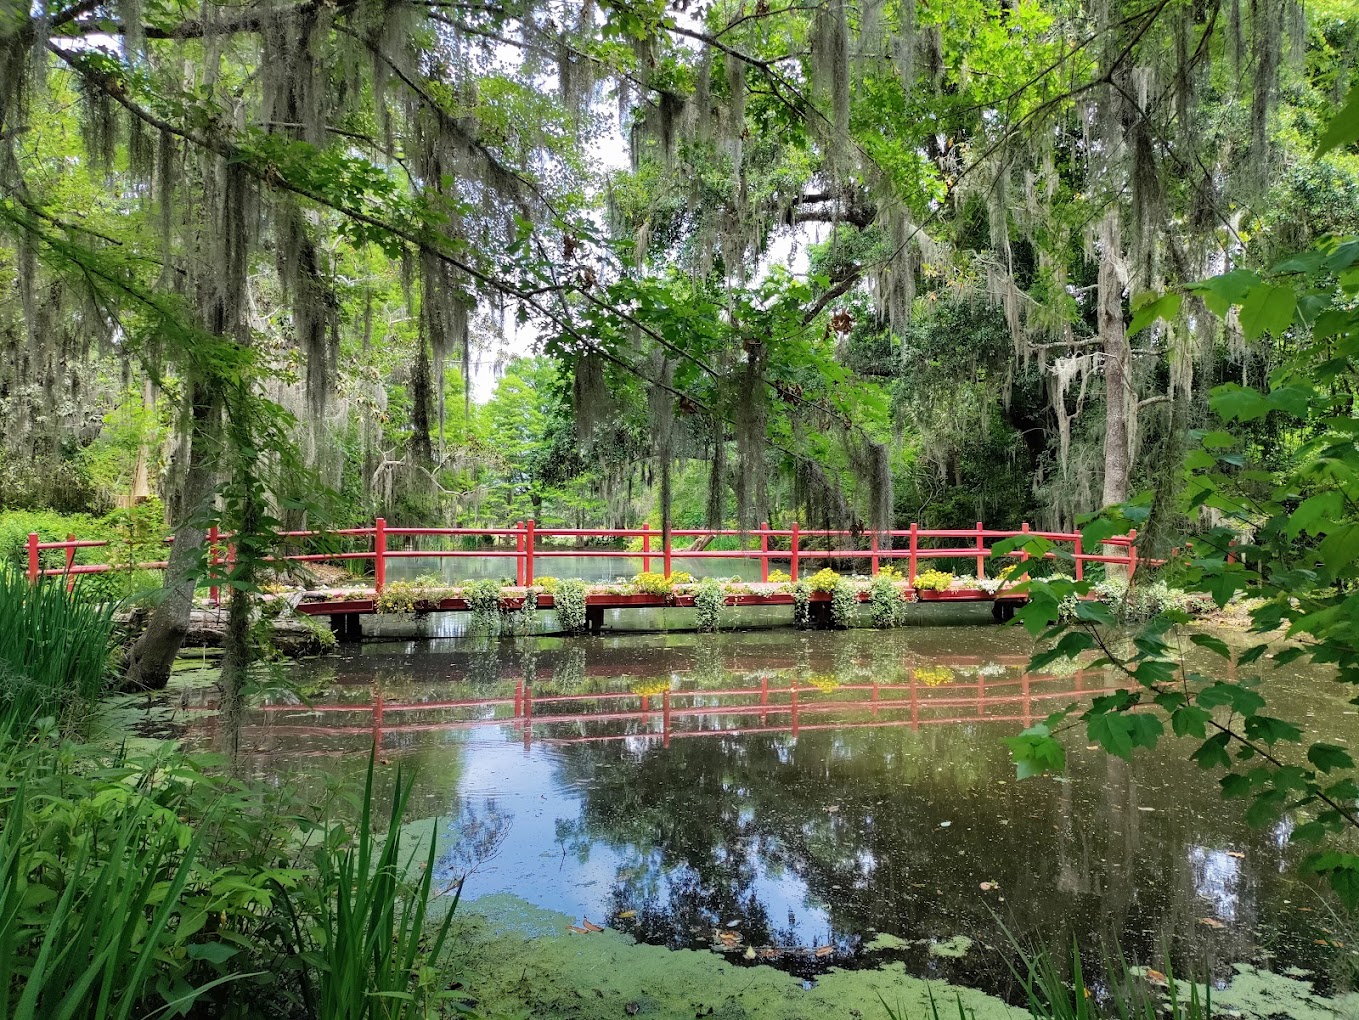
(477, 834)
(896, 830)
(568, 672)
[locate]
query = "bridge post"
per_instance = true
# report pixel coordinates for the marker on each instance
(1078, 552)
(33, 557)
(764, 550)
(646, 547)
(70, 561)
(1024, 553)
(380, 554)
(214, 593)
(873, 560)
(910, 562)
(528, 552)
(981, 552)
(519, 553)
(1132, 555)
(792, 568)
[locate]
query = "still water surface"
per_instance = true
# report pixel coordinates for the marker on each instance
(814, 792)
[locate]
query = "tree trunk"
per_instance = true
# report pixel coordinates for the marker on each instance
(152, 655)
(1117, 363)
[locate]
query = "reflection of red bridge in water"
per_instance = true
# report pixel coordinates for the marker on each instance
(927, 692)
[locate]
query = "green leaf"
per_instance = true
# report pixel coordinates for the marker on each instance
(1265, 808)
(1189, 722)
(1241, 699)
(1214, 644)
(1120, 732)
(1213, 752)
(1327, 757)
(1270, 730)
(1343, 127)
(1151, 308)
(212, 952)
(1035, 751)
(1237, 403)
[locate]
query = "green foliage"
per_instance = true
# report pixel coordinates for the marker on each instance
(844, 603)
(709, 601)
(398, 597)
(569, 601)
(484, 600)
(933, 580)
(1289, 543)
(54, 652)
(374, 957)
(802, 605)
(885, 601)
(129, 885)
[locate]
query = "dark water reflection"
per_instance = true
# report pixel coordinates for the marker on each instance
(814, 791)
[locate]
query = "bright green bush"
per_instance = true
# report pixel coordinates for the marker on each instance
(885, 601)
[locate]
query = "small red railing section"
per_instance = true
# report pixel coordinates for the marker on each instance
(525, 542)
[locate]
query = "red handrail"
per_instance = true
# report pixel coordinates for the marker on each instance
(875, 546)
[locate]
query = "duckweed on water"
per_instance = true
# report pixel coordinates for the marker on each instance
(521, 961)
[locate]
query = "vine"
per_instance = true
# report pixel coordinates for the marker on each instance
(885, 602)
(844, 603)
(709, 601)
(483, 599)
(802, 605)
(569, 598)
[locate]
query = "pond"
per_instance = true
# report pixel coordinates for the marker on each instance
(818, 800)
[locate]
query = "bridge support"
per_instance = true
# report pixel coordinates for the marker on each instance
(1003, 610)
(594, 619)
(346, 626)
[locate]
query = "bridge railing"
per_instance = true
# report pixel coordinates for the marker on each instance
(525, 542)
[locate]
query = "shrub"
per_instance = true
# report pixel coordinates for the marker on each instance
(709, 601)
(892, 573)
(547, 584)
(483, 599)
(569, 599)
(779, 577)
(933, 580)
(647, 583)
(824, 579)
(681, 577)
(885, 601)
(398, 597)
(844, 603)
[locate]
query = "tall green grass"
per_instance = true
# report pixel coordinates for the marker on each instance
(375, 954)
(54, 651)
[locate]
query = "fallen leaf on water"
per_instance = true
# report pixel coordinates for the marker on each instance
(769, 953)
(1237, 854)
(1211, 922)
(577, 931)
(1157, 977)
(627, 914)
(1330, 942)
(944, 825)
(824, 950)
(988, 886)
(590, 926)
(750, 952)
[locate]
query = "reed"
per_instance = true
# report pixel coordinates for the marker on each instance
(54, 652)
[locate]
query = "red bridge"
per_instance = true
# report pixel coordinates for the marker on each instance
(526, 546)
